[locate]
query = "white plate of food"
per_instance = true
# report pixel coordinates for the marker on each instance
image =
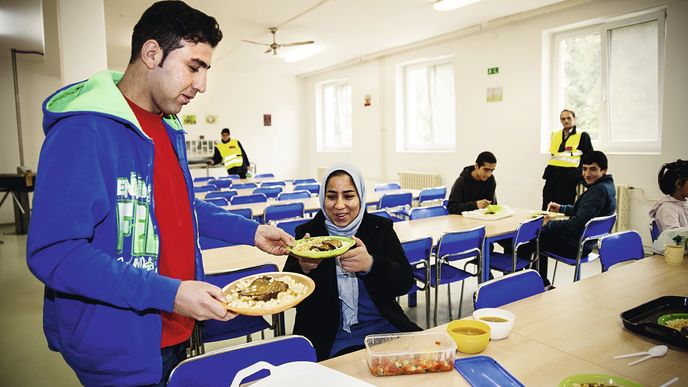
(491, 212)
(267, 293)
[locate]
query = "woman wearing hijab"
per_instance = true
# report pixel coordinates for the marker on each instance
(355, 294)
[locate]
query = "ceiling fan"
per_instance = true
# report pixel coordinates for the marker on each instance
(272, 47)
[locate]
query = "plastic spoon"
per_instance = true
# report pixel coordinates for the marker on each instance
(656, 351)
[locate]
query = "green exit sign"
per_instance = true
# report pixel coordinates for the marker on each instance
(492, 70)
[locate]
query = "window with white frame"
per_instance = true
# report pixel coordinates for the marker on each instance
(426, 108)
(609, 74)
(333, 115)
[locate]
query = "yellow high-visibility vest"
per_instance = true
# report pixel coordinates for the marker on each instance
(231, 153)
(570, 157)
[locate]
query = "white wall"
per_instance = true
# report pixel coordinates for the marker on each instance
(511, 129)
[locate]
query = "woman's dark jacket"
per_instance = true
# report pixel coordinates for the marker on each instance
(317, 317)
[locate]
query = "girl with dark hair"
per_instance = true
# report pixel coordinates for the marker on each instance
(672, 210)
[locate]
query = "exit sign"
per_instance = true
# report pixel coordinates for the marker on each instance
(492, 70)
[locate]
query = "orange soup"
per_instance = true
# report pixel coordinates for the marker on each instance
(468, 331)
(494, 319)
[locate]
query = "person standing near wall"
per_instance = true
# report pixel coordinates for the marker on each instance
(230, 152)
(115, 222)
(563, 172)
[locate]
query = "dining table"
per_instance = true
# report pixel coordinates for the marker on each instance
(571, 330)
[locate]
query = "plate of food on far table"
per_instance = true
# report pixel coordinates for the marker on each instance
(491, 212)
(550, 214)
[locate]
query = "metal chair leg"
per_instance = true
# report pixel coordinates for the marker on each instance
(449, 306)
(554, 275)
(461, 299)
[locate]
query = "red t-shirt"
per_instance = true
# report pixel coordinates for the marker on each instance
(173, 212)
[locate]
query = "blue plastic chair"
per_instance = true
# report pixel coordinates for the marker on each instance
(283, 211)
(620, 247)
(206, 188)
(213, 330)
(270, 192)
(385, 214)
(245, 212)
(221, 194)
(387, 187)
(201, 179)
(594, 230)
(293, 195)
(654, 230)
(507, 289)
(289, 226)
(264, 176)
(396, 203)
(221, 183)
(431, 194)
(418, 254)
(217, 201)
(453, 246)
(219, 367)
(234, 177)
(427, 212)
(273, 184)
(246, 199)
(313, 188)
(527, 231)
(305, 181)
(244, 186)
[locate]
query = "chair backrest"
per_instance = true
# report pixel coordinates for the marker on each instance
(310, 180)
(595, 229)
(270, 192)
(273, 184)
(217, 201)
(527, 231)
(290, 225)
(264, 176)
(244, 186)
(245, 212)
(213, 330)
(431, 194)
(234, 176)
(620, 247)
(507, 289)
(395, 200)
(283, 211)
(221, 183)
(461, 244)
(245, 199)
(313, 188)
(294, 195)
(218, 368)
(385, 214)
(418, 250)
(221, 194)
(654, 230)
(427, 212)
(200, 179)
(387, 186)
(206, 188)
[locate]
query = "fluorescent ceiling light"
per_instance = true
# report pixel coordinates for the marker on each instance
(448, 5)
(297, 53)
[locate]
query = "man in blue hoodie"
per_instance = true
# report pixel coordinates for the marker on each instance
(114, 234)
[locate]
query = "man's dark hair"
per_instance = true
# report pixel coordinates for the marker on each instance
(225, 130)
(595, 157)
(670, 173)
(169, 22)
(570, 111)
(485, 157)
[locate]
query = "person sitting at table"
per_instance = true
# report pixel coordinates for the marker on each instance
(475, 186)
(355, 293)
(671, 211)
(562, 236)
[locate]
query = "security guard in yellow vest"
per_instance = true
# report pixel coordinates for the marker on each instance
(563, 172)
(230, 153)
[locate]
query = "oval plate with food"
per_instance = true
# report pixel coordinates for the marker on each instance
(267, 293)
(551, 214)
(322, 247)
(597, 380)
(677, 321)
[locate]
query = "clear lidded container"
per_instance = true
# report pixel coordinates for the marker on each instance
(410, 353)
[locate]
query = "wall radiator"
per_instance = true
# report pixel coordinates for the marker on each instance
(622, 210)
(419, 180)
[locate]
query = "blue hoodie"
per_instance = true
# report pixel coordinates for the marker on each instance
(93, 237)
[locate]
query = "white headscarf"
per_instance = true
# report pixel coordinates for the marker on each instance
(346, 284)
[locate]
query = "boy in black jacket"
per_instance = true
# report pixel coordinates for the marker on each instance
(475, 187)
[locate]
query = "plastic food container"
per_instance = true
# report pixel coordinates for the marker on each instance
(410, 353)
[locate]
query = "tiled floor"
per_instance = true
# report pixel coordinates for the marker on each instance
(26, 360)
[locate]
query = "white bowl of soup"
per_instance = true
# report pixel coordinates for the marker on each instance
(500, 321)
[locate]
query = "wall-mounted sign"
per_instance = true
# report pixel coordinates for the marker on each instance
(494, 94)
(189, 119)
(492, 70)
(267, 119)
